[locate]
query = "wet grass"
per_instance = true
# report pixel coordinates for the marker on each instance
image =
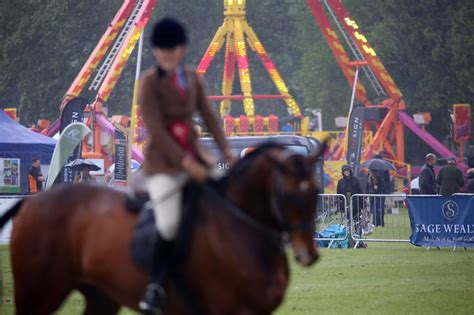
(381, 279)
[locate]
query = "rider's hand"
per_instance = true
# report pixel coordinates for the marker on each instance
(196, 170)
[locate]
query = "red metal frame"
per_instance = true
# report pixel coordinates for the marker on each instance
(126, 11)
(389, 134)
(99, 51)
(235, 32)
(337, 48)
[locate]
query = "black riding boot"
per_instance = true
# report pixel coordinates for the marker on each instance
(153, 300)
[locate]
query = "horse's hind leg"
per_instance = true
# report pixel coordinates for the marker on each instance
(97, 303)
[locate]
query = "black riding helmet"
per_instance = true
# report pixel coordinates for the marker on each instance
(168, 33)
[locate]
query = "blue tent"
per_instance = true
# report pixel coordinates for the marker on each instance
(18, 146)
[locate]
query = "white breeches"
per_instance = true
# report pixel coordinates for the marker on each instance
(165, 193)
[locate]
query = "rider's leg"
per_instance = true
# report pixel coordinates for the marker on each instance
(165, 193)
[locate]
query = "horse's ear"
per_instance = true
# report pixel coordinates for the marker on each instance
(313, 158)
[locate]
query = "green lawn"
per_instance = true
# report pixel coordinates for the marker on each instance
(381, 279)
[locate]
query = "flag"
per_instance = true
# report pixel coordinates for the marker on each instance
(69, 140)
(355, 136)
(72, 112)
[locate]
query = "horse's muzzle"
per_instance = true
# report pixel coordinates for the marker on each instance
(304, 249)
(305, 257)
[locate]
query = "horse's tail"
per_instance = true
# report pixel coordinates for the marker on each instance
(10, 213)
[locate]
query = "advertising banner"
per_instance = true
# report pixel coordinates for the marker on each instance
(355, 137)
(9, 176)
(120, 156)
(69, 140)
(442, 221)
(72, 112)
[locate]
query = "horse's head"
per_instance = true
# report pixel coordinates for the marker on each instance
(278, 188)
(294, 198)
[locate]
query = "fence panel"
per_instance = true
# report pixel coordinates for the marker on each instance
(379, 218)
(5, 203)
(332, 209)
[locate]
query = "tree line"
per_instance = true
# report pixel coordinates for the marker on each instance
(427, 46)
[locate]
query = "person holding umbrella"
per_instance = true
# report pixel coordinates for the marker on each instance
(84, 176)
(376, 186)
(378, 183)
(84, 167)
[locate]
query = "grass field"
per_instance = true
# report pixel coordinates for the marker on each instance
(381, 279)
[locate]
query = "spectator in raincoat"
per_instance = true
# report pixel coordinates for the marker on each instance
(427, 179)
(349, 185)
(450, 179)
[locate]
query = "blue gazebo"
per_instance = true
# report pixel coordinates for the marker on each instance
(18, 146)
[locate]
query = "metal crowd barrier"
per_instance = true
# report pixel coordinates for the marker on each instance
(332, 209)
(379, 218)
(5, 203)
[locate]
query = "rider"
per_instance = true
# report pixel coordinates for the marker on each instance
(170, 94)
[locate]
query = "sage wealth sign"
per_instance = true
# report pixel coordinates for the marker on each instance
(442, 221)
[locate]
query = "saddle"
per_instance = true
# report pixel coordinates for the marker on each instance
(145, 235)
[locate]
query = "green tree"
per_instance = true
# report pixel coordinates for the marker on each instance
(427, 46)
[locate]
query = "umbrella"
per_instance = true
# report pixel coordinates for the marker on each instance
(78, 164)
(378, 164)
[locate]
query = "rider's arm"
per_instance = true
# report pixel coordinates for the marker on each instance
(151, 112)
(210, 119)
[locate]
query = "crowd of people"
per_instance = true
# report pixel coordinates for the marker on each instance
(447, 182)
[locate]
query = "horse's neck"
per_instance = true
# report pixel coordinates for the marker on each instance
(251, 193)
(238, 254)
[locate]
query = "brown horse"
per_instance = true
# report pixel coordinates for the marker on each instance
(78, 237)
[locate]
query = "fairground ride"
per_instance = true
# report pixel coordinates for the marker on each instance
(384, 126)
(236, 33)
(111, 52)
(385, 114)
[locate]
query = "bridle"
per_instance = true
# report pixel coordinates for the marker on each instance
(280, 234)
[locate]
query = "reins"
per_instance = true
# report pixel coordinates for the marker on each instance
(280, 234)
(271, 233)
